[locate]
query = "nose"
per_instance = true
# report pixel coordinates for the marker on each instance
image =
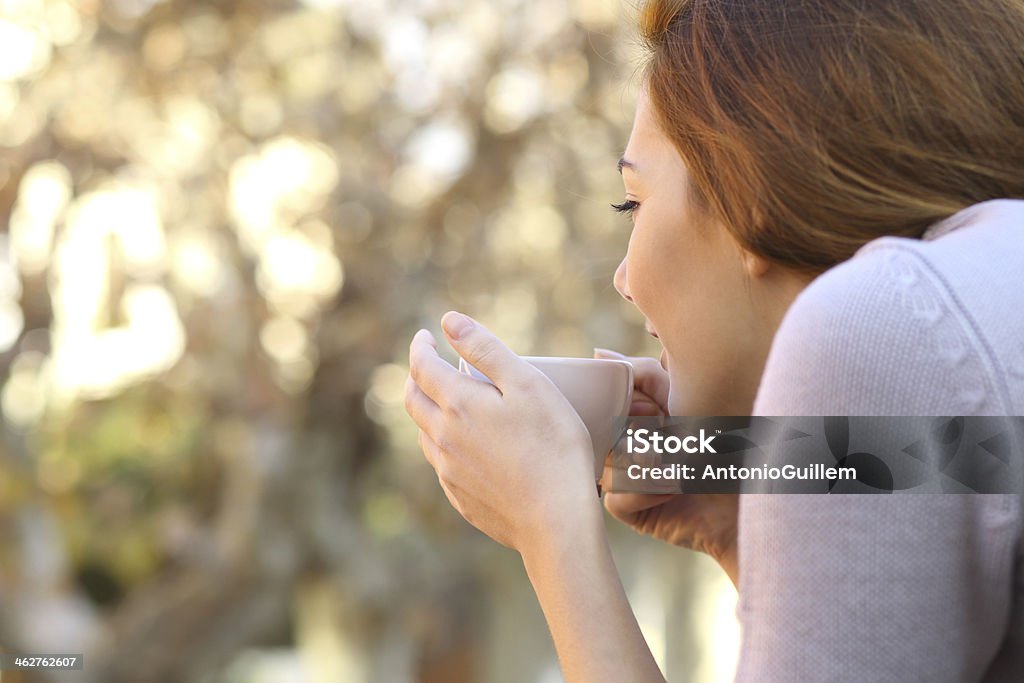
(620, 281)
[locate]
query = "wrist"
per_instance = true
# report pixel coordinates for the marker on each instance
(575, 522)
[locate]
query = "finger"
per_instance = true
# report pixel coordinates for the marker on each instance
(433, 455)
(451, 497)
(423, 411)
(648, 375)
(434, 376)
(624, 506)
(428, 447)
(650, 380)
(432, 452)
(644, 406)
(616, 468)
(483, 350)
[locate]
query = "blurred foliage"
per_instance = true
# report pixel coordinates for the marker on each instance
(224, 222)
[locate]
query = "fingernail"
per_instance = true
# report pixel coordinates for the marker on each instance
(607, 353)
(456, 325)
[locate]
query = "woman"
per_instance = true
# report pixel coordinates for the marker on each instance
(826, 221)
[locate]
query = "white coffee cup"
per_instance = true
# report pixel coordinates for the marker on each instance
(598, 388)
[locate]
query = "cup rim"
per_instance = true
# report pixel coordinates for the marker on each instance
(576, 360)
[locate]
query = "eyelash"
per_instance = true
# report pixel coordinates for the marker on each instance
(627, 207)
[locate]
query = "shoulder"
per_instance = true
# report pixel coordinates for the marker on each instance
(879, 334)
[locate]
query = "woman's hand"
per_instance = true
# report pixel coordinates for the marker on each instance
(698, 521)
(513, 458)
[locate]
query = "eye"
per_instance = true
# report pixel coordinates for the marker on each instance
(627, 207)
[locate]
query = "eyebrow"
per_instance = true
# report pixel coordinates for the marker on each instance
(625, 163)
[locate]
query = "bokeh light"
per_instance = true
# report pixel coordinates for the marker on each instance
(224, 223)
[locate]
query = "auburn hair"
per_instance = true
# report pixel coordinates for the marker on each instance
(810, 127)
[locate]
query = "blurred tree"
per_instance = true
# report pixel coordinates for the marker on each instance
(224, 222)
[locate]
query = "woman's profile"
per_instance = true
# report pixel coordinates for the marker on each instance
(827, 200)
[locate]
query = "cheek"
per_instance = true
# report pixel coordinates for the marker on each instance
(652, 271)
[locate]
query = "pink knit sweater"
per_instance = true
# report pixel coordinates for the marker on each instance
(918, 587)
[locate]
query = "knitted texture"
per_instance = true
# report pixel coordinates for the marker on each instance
(912, 587)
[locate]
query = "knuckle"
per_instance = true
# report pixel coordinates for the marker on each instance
(524, 384)
(444, 475)
(455, 407)
(426, 450)
(409, 400)
(532, 380)
(444, 444)
(415, 372)
(482, 352)
(647, 366)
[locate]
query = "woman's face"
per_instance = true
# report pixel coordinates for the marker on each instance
(713, 306)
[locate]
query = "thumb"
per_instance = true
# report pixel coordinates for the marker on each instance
(480, 348)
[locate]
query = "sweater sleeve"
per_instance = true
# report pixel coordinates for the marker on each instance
(911, 587)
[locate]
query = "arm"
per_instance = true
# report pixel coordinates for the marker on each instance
(482, 439)
(911, 587)
(905, 587)
(593, 627)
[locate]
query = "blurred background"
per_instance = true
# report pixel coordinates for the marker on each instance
(222, 223)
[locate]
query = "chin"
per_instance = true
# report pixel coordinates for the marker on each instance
(675, 399)
(687, 403)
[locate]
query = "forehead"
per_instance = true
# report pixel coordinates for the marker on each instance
(648, 145)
